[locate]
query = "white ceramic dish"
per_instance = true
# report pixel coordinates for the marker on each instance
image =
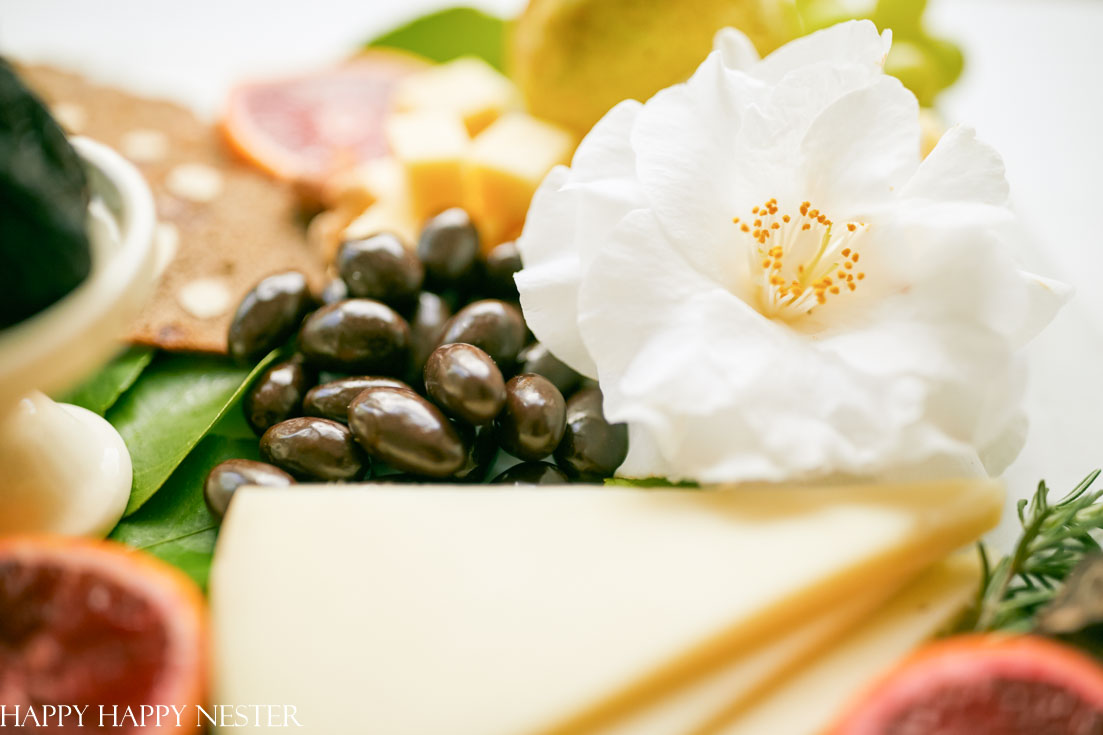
(66, 469)
(61, 344)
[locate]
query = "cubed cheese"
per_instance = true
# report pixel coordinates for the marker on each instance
(467, 87)
(431, 147)
(391, 211)
(391, 214)
(355, 190)
(506, 164)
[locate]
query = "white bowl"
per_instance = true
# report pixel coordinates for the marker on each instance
(65, 342)
(66, 469)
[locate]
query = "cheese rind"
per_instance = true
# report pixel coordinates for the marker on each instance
(817, 694)
(502, 611)
(744, 678)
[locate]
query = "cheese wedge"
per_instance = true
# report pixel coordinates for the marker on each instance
(431, 147)
(501, 611)
(506, 164)
(467, 87)
(748, 675)
(811, 700)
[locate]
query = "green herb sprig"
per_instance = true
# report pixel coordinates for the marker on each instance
(1055, 538)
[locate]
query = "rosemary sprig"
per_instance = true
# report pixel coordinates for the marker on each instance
(1055, 538)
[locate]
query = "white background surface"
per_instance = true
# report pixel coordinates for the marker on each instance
(1032, 88)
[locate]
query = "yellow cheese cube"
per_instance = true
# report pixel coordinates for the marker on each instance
(391, 214)
(500, 611)
(431, 147)
(467, 87)
(384, 181)
(506, 164)
(371, 198)
(355, 190)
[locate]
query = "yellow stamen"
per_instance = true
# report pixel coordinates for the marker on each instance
(796, 274)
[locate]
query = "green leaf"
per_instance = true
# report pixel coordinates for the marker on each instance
(646, 482)
(233, 425)
(450, 34)
(175, 524)
(100, 391)
(191, 554)
(165, 414)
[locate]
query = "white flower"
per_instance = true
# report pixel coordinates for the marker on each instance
(770, 284)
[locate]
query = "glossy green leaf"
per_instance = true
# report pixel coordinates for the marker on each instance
(449, 34)
(233, 425)
(647, 482)
(175, 524)
(165, 414)
(99, 392)
(191, 554)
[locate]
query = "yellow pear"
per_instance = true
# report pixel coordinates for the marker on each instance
(574, 59)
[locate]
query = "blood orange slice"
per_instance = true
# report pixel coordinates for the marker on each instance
(984, 685)
(91, 623)
(307, 128)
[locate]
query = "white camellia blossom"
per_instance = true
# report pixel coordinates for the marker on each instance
(770, 284)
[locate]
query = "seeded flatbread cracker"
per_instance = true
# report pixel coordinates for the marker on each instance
(225, 224)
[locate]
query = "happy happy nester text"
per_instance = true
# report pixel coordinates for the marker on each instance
(113, 715)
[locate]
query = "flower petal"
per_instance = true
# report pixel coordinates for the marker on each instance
(650, 315)
(960, 168)
(568, 216)
(852, 42)
(605, 152)
(862, 148)
(634, 274)
(692, 169)
(727, 395)
(737, 52)
(645, 459)
(1045, 297)
(999, 453)
(958, 265)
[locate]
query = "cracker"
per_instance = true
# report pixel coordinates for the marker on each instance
(231, 224)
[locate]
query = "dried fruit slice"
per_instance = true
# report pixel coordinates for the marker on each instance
(309, 127)
(94, 623)
(1017, 685)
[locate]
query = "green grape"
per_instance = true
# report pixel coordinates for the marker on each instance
(818, 14)
(908, 62)
(925, 64)
(904, 17)
(948, 57)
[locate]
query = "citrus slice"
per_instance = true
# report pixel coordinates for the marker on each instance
(968, 685)
(309, 127)
(94, 623)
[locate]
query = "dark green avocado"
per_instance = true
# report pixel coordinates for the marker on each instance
(44, 250)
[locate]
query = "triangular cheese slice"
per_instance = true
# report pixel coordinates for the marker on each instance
(749, 674)
(808, 702)
(505, 611)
